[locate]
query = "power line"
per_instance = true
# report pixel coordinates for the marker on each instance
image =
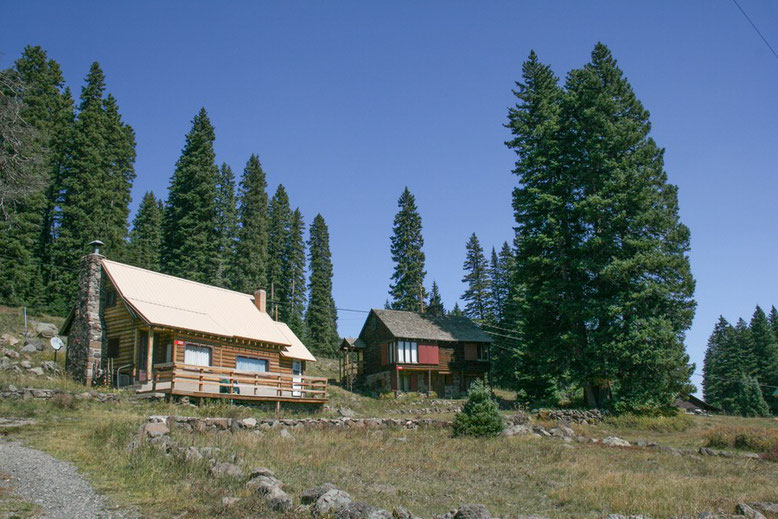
(756, 29)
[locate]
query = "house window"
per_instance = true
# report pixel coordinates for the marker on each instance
(251, 365)
(110, 298)
(197, 355)
(113, 347)
(483, 352)
(404, 352)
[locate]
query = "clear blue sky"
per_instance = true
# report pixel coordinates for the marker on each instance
(346, 103)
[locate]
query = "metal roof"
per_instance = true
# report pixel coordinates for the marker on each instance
(172, 302)
(412, 325)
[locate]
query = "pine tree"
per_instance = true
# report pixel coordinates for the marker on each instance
(293, 296)
(227, 225)
(765, 350)
(745, 348)
(456, 311)
(189, 230)
(39, 101)
(606, 283)
(480, 415)
(435, 304)
(407, 287)
(748, 399)
(720, 364)
(96, 180)
(773, 318)
(502, 266)
(280, 220)
(478, 292)
(249, 270)
(321, 317)
(503, 351)
(143, 249)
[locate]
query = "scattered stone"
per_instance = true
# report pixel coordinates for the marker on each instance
(29, 348)
(226, 470)
(706, 451)
(355, 510)
(262, 471)
(37, 371)
(346, 412)
(26, 364)
(331, 502)
(249, 423)
(9, 339)
(313, 494)
(285, 434)
(516, 430)
(229, 502)
(49, 365)
(278, 500)
(472, 512)
(765, 508)
(749, 512)
(11, 354)
(47, 330)
(153, 430)
(192, 454)
(615, 441)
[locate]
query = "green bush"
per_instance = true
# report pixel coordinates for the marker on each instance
(480, 416)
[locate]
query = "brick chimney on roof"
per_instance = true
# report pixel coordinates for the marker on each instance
(260, 300)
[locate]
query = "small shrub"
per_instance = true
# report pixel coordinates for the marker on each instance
(63, 401)
(755, 439)
(480, 416)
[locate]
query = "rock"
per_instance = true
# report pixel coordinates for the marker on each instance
(11, 387)
(313, 494)
(401, 512)
(29, 348)
(278, 500)
(249, 423)
(516, 430)
(706, 451)
(192, 454)
(765, 508)
(263, 484)
(285, 434)
(9, 339)
(38, 344)
(331, 502)
(614, 441)
(37, 371)
(229, 502)
(153, 430)
(226, 470)
(379, 513)
(262, 471)
(11, 354)
(749, 512)
(346, 412)
(26, 364)
(355, 510)
(472, 512)
(47, 330)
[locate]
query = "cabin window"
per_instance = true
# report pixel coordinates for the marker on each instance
(404, 352)
(483, 352)
(251, 364)
(110, 298)
(113, 347)
(197, 355)
(297, 367)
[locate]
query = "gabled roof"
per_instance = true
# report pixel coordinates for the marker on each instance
(352, 343)
(172, 302)
(412, 325)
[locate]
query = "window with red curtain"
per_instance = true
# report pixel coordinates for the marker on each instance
(429, 354)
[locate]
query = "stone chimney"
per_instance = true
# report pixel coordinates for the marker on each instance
(260, 300)
(85, 341)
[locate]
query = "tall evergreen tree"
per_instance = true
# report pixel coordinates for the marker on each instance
(191, 240)
(435, 304)
(478, 292)
(720, 366)
(38, 112)
(503, 352)
(502, 265)
(249, 270)
(407, 287)
(143, 249)
(96, 180)
(293, 272)
(321, 317)
(765, 350)
(747, 362)
(456, 311)
(280, 219)
(748, 399)
(607, 288)
(226, 225)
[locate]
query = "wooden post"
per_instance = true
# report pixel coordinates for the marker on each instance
(135, 359)
(429, 382)
(200, 386)
(149, 353)
(397, 377)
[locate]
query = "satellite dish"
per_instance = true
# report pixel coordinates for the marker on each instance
(56, 343)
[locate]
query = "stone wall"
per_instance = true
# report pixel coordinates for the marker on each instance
(85, 341)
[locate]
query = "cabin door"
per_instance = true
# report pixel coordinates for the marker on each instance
(143, 349)
(297, 378)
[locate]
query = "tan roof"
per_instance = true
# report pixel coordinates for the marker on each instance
(297, 350)
(179, 303)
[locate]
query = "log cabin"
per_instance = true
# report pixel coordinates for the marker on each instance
(162, 334)
(411, 352)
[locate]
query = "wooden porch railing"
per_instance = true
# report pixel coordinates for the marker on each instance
(179, 378)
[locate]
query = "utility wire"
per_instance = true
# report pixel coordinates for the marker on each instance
(756, 29)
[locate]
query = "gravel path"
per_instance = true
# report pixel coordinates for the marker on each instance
(53, 484)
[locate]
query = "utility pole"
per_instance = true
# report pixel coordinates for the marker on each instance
(421, 298)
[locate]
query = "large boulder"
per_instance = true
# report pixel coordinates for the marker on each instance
(278, 500)
(472, 512)
(614, 441)
(47, 330)
(313, 494)
(331, 502)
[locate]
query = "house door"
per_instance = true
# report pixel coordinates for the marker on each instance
(297, 378)
(143, 350)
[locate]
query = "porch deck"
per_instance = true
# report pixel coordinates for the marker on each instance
(175, 378)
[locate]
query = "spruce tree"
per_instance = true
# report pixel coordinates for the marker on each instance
(747, 361)
(407, 286)
(143, 249)
(293, 296)
(227, 225)
(191, 241)
(97, 176)
(280, 219)
(748, 399)
(765, 351)
(773, 318)
(477, 277)
(502, 266)
(503, 351)
(321, 317)
(456, 311)
(249, 270)
(435, 304)
(720, 364)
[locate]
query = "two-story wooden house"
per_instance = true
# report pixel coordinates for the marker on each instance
(407, 351)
